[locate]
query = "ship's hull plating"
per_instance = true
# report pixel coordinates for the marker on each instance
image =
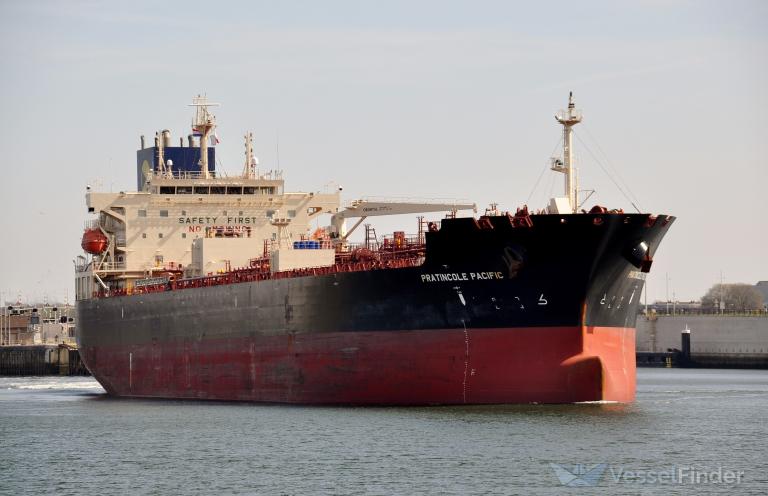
(496, 314)
(441, 366)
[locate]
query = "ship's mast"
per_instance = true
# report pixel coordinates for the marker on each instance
(249, 168)
(203, 124)
(568, 118)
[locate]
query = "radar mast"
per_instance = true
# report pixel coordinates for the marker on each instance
(568, 118)
(249, 168)
(203, 125)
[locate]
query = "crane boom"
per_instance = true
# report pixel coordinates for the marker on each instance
(366, 208)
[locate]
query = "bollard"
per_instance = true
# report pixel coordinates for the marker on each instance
(685, 337)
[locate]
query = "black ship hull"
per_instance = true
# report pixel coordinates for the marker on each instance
(499, 312)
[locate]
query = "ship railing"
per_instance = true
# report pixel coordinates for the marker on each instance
(569, 114)
(91, 224)
(389, 244)
(111, 266)
(182, 175)
(165, 179)
(82, 266)
(262, 272)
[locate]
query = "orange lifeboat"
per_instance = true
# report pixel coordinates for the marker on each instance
(94, 241)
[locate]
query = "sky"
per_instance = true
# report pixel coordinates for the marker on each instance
(429, 99)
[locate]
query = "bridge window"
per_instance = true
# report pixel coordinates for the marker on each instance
(235, 190)
(201, 190)
(167, 190)
(184, 190)
(249, 190)
(163, 213)
(217, 190)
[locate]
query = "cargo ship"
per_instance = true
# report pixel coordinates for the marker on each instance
(206, 286)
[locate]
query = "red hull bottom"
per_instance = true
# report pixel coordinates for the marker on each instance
(476, 366)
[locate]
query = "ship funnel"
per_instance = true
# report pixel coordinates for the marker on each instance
(190, 140)
(142, 142)
(166, 138)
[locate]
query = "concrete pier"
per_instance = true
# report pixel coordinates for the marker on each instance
(41, 360)
(714, 341)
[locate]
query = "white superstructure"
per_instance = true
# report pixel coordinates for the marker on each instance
(187, 223)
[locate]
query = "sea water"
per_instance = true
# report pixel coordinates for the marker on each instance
(64, 435)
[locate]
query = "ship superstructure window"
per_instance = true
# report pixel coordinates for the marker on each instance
(184, 190)
(201, 190)
(291, 213)
(183, 235)
(218, 190)
(160, 235)
(183, 212)
(235, 190)
(142, 213)
(163, 213)
(144, 235)
(249, 190)
(167, 190)
(269, 213)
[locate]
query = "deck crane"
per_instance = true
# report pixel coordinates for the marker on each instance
(363, 209)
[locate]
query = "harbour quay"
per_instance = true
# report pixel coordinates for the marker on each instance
(39, 340)
(737, 341)
(41, 359)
